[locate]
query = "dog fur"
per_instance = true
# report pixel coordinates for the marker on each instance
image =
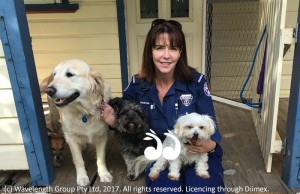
(77, 90)
(131, 126)
(190, 129)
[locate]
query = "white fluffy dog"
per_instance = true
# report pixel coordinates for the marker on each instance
(77, 90)
(191, 129)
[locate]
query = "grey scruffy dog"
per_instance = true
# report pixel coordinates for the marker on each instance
(131, 126)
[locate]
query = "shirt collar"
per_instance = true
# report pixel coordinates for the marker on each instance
(177, 85)
(180, 85)
(145, 86)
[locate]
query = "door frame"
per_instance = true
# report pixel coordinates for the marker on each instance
(124, 47)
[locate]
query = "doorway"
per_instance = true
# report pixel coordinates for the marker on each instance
(140, 14)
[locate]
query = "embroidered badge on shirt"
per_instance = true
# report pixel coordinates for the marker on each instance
(186, 99)
(206, 90)
(143, 102)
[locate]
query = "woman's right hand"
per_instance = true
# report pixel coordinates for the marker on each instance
(107, 114)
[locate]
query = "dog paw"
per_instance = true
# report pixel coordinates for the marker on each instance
(105, 177)
(153, 175)
(130, 177)
(173, 177)
(203, 174)
(83, 181)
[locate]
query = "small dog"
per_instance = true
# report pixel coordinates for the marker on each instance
(53, 124)
(76, 90)
(131, 126)
(57, 145)
(190, 129)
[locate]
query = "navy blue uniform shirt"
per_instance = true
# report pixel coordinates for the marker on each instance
(181, 98)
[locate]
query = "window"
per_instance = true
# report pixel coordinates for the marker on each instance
(149, 9)
(179, 8)
(50, 6)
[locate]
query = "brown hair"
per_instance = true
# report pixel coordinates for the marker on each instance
(173, 28)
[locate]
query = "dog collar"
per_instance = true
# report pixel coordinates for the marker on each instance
(84, 119)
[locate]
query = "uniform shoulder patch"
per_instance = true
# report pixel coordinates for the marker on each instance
(206, 90)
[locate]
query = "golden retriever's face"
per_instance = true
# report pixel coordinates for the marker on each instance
(193, 127)
(70, 82)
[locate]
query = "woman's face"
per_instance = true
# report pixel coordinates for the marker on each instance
(165, 56)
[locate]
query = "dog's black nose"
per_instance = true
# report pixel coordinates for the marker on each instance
(195, 134)
(50, 91)
(130, 117)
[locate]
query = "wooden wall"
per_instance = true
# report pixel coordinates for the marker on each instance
(91, 33)
(12, 151)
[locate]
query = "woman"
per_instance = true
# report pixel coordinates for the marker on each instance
(167, 88)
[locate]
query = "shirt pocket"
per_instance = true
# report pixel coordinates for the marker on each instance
(151, 111)
(182, 109)
(152, 116)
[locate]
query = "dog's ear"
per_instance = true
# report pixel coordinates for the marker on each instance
(140, 109)
(144, 116)
(45, 82)
(114, 101)
(211, 124)
(106, 92)
(97, 84)
(116, 104)
(178, 127)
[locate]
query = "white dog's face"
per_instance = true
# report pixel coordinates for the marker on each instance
(71, 81)
(194, 127)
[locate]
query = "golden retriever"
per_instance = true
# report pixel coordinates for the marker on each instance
(77, 90)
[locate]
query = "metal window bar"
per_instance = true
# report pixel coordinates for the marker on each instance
(209, 8)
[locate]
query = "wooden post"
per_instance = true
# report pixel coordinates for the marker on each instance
(18, 53)
(291, 162)
(122, 42)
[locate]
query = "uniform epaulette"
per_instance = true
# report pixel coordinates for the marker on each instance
(198, 78)
(135, 79)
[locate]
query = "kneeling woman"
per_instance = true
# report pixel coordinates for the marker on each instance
(168, 87)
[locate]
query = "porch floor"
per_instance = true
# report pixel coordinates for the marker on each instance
(242, 161)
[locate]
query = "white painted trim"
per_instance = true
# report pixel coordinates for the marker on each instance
(13, 157)
(231, 102)
(40, 2)
(288, 36)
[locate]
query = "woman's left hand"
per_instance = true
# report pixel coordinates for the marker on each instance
(201, 147)
(107, 114)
